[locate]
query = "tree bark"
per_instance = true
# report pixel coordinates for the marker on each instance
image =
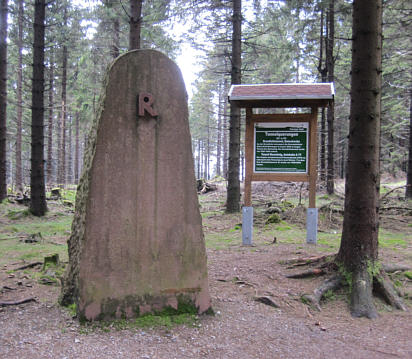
(3, 97)
(135, 24)
(38, 204)
(19, 94)
(225, 128)
(219, 130)
(77, 149)
(63, 120)
(69, 171)
(233, 189)
(323, 73)
(330, 175)
(198, 159)
(359, 246)
(49, 170)
(115, 52)
(408, 192)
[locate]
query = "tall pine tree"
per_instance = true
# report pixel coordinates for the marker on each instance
(38, 204)
(3, 97)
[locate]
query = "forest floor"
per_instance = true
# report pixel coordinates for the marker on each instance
(242, 327)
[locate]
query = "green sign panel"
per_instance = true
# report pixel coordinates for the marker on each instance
(281, 147)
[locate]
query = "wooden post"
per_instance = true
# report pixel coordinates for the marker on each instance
(313, 157)
(249, 142)
(247, 210)
(312, 211)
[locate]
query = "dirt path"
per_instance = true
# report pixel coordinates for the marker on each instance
(241, 328)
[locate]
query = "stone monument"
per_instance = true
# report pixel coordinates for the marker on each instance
(137, 244)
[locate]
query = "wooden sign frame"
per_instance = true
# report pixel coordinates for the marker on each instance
(310, 176)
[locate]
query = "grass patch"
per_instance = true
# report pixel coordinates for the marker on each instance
(15, 214)
(212, 213)
(392, 240)
(329, 240)
(13, 250)
(147, 321)
(46, 226)
(284, 232)
(222, 239)
(283, 228)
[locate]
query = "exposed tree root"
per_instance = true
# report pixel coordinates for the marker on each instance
(361, 302)
(361, 291)
(329, 284)
(324, 268)
(297, 262)
(308, 273)
(383, 286)
(391, 268)
(17, 302)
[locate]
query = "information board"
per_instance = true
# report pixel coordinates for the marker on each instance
(281, 147)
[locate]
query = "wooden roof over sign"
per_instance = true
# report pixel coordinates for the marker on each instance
(282, 95)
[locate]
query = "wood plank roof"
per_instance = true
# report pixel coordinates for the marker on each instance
(282, 95)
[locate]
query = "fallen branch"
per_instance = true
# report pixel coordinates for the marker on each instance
(395, 207)
(392, 190)
(7, 238)
(17, 302)
(266, 300)
(29, 265)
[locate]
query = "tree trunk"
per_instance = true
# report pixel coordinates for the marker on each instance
(135, 23)
(323, 72)
(330, 175)
(19, 105)
(198, 159)
(69, 151)
(233, 189)
(63, 119)
(3, 97)
(59, 148)
(208, 149)
(77, 149)
(359, 246)
(408, 192)
(50, 121)
(38, 204)
(225, 128)
(115, 52)
(219, 130)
